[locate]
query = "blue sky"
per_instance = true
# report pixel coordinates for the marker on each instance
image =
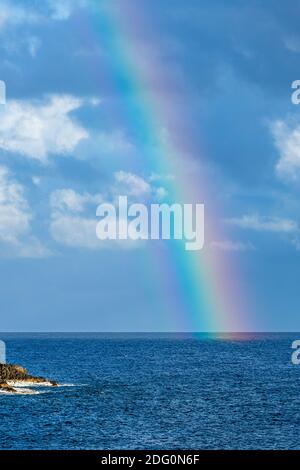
(64, 149)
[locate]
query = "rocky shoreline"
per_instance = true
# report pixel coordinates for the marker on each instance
(14, 377)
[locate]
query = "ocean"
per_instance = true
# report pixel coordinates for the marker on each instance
(154, 391)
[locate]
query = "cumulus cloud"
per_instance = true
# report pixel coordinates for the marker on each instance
(265, 224)
(64, 200)
(130, 184)
(61, 10)
(287, 142)
(74, 231)
(73, 221)
(39, 129)
(14, 15)
(15, 215)
(70, 225)
(79, 231)
(112, 142)
(160, 193)
(31, 247)
(15, 220)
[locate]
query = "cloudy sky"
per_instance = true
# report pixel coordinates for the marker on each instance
(66, 145)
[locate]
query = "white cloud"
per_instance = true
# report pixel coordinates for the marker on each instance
(227, 245)
(31, 248)
(296, 242)
(3, 16)
(160, 193)
(70, 225)
(75, 231)
(14, 15)
(15, 215)
(265, 224)
(61, 10)
(64, 200)
(15, 220)
(287, 141)
(106, 144)
(131, 184)
(112, 142)
(80, 232)
(39, 129)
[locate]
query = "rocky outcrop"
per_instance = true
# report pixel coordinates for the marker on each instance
(14, 376)
(6, 388)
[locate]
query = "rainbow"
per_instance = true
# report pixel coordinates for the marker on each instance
(202, 290)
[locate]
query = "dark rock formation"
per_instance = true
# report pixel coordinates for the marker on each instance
(14, 373)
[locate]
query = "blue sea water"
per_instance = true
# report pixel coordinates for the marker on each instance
(154, 391)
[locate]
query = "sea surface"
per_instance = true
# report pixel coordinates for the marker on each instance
(154, 391)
